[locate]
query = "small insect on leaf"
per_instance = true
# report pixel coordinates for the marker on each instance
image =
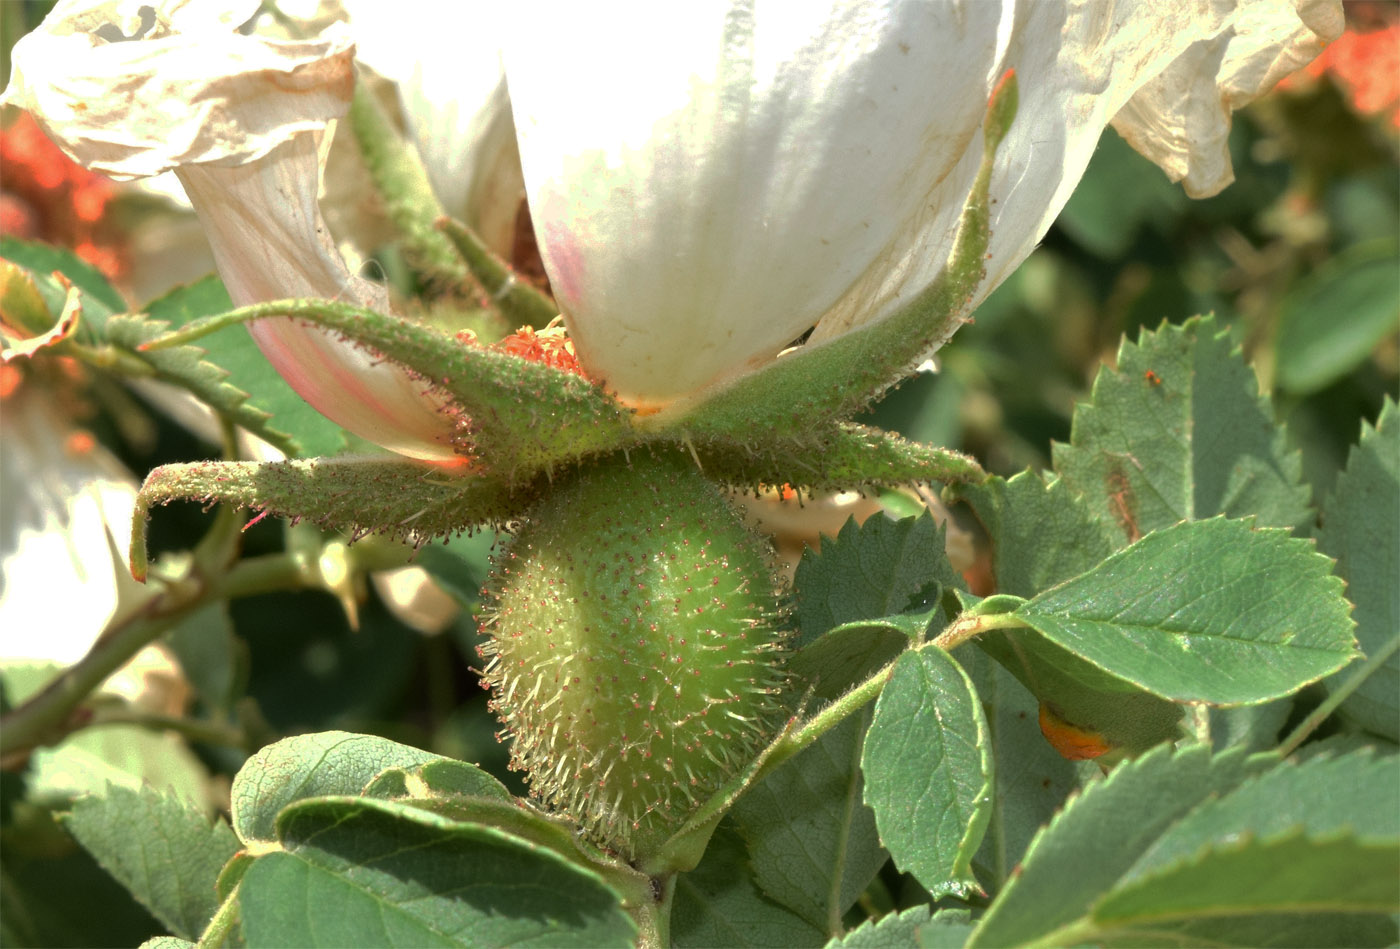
(1152, 378)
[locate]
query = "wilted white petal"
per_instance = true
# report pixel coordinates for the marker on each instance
(133, 89)
(1181, 119)
(793, 166)
(1077, 67)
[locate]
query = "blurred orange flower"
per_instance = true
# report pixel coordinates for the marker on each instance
(1365, 65)
(45, 195)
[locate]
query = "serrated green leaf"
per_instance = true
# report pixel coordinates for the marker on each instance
(310, 432)
(52, 893)
(1361, 529)
(307, 766)
(1252, 727)
(914, 928)
(947, 929)
(167, 942)
(1333, 321)
(831, 458)
(812, 841)
(847, 654)
(511, 816)
(1115, 717)
(185, 367)
(1041, 532)
(370, 873)
(1082, 854)
(1294, 930)
(1178, 431)
(1249, 876)
(393, 496)
(1206, 611)
(1358, 793)
(162, 849)
(26, 321)
(719, 904)
(880, 569)
(449, 777)
(891, 931)
(928, 770)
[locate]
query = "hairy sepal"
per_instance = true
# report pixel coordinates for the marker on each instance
(399, 498)
(635, 648)
(839, 377)
(402, 182)
(839, 457)
(516, 416)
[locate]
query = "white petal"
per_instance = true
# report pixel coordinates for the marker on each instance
(1070, 90)
(809, 162)
(695, 222)
(130, 97)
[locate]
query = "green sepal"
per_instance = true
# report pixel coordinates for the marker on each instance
(837, 457)
(519, 302)
(790, 393)
(404, 499)
(402, 182)
(521, 416)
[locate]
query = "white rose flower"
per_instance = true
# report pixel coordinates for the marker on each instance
(709, 182)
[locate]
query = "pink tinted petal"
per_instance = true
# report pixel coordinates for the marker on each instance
(270, 243)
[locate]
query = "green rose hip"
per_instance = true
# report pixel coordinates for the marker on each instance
(634, 648)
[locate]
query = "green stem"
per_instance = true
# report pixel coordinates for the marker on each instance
(46, 717)
(969, 625)
(654, 918)
(1338, 696)
(209, 733)
(221, 925)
